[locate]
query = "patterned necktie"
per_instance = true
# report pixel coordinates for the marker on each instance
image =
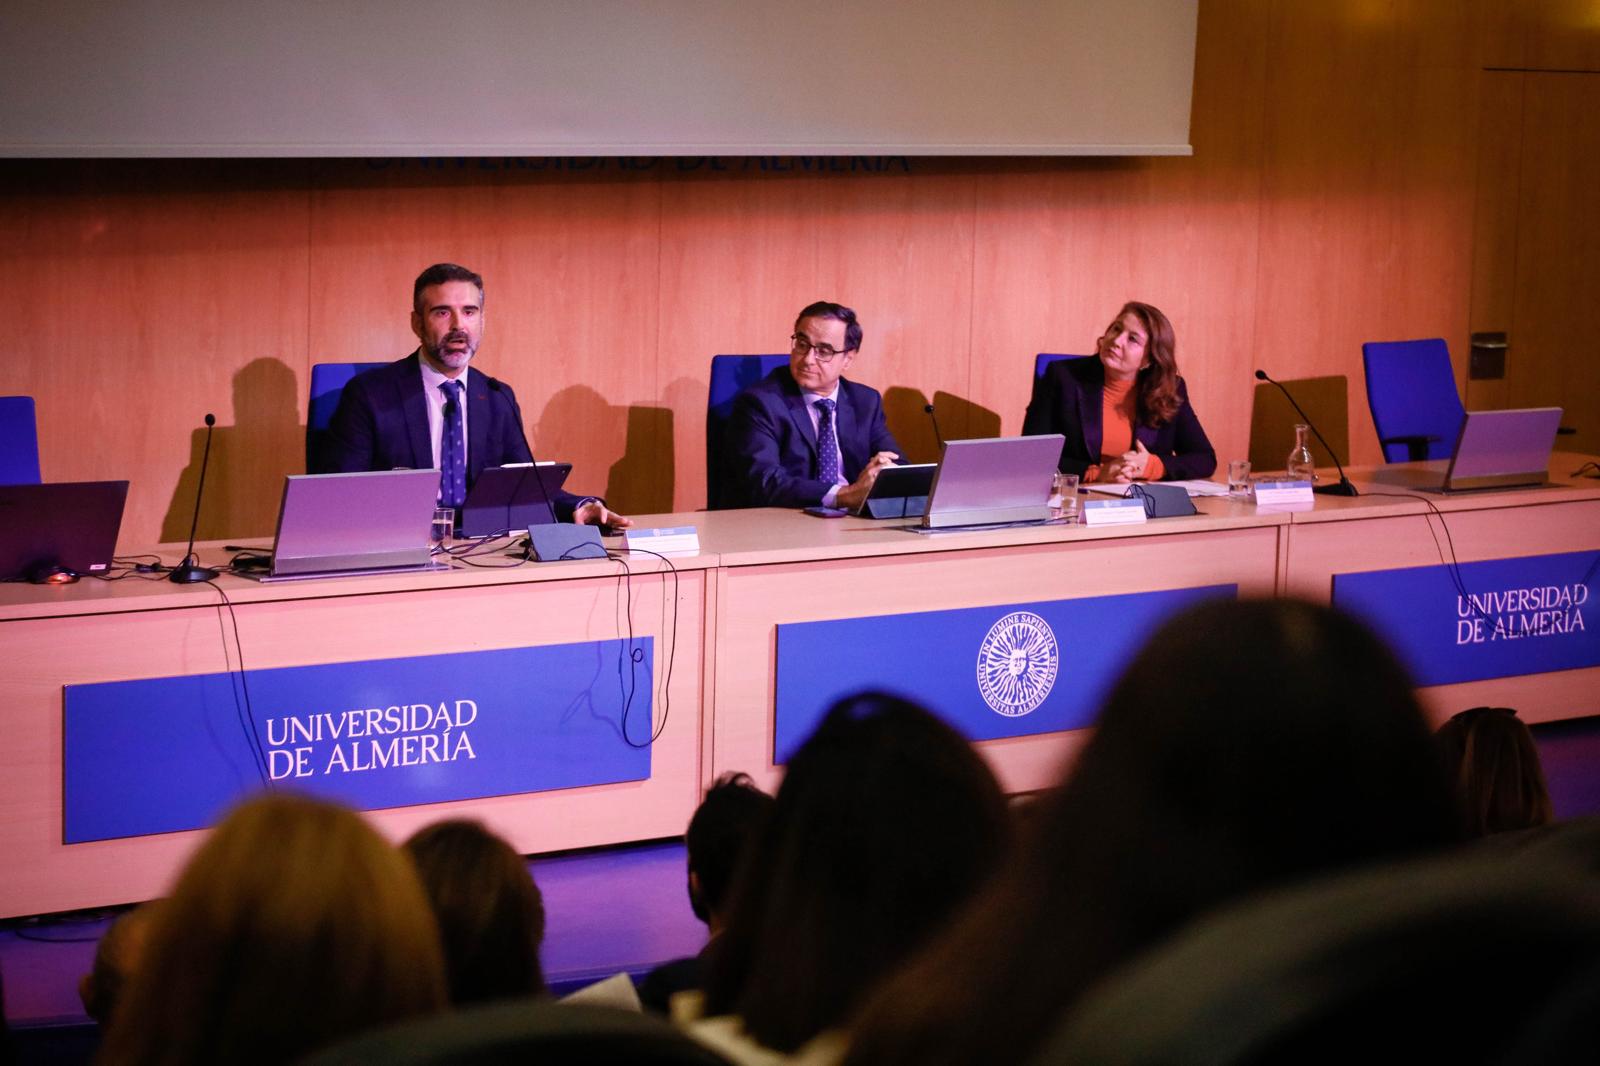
(827, 444)
(452, 449)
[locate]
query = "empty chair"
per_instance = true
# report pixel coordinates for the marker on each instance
(730, 375)
(1411, 389)
(19, 441)
(327, 384)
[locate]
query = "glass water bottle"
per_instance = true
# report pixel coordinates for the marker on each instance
(1300, 466)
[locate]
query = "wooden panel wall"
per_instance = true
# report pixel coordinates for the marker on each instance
(1329, 200)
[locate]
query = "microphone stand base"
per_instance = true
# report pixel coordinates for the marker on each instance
(189, 574)
(1342, 487)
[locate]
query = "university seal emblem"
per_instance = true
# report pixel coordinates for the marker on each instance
(1017, 664)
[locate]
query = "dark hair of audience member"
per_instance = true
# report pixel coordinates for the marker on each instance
(490, 912)
(293, 926)
(720, 829)
(1248, 744)
(1492, 760)
(885, 823)
(117, 956)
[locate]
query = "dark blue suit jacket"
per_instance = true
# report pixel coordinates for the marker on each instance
(382, 423)
(1069, 399)
(772, 447)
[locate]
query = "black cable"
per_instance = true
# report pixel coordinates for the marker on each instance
(636, 655)
(245, 714)
(1453, 565)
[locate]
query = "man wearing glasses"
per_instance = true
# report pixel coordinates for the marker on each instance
(804, 436)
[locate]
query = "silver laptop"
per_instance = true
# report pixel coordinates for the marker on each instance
(1495, 450)
(362, 523)
(992, 481)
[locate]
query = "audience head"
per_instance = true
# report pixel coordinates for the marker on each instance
(1248, 744)
(117, 956)
(293, 926)
(886, 821)
(1140, 342)
(490, 913)
(724, 823)
(1492, 761)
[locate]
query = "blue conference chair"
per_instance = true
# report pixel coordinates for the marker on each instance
(1411, 389)
(1042, 361)
(327, 383)
(730, 375)
(19, 441)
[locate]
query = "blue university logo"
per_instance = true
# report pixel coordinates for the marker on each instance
(1017, 664)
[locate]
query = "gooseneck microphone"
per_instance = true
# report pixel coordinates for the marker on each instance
(516, 417)
(934, 418)
(190, 571)
(1342, 487)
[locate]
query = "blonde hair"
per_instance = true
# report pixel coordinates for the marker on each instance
(293, 926)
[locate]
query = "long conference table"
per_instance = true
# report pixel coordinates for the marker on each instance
(831, 601)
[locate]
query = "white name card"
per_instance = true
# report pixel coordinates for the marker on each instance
(1113, 512)
(1278, 493)
(664, 539)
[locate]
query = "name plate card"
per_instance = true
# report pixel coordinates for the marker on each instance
(1010, 670)
(1113, 512)
(665, 539)
(1529, 615)
(164, 754)
(1279, 493)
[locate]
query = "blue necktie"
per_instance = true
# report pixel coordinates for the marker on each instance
(827, 445)
(452, 449)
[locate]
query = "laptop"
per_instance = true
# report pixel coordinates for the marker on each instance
(506, 498)
(1495, 450)
(993, 480)
(67, 524)
(375, 522)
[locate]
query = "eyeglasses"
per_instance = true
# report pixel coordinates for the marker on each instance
(823, 352)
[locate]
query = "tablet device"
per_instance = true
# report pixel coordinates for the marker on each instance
(507, 498)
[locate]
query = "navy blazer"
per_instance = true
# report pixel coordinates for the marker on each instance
(772, 446)
(1069, 399)
(382, 423)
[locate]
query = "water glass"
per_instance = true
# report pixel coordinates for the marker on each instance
(444, 524)
(1239, 478)
(1064, 497)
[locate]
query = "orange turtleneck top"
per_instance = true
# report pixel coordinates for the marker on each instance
(1117, 414)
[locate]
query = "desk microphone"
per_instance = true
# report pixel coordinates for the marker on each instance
(516, 417)
(934, 418)
(1343, 486)
(190, 571)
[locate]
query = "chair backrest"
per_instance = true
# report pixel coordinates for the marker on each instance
(19, 441)
(1386, 957)
(730, 375)
(1411, 389)
(1042, 361)
(523, 1031)
(327, 384)
(1273, 418)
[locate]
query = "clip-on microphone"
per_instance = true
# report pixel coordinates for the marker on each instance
(190, 571)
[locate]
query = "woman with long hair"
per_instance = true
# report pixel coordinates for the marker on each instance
(293, 926)
(1125, 412)
(1248, 745)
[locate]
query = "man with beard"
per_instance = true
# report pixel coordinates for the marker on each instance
(431, 410)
